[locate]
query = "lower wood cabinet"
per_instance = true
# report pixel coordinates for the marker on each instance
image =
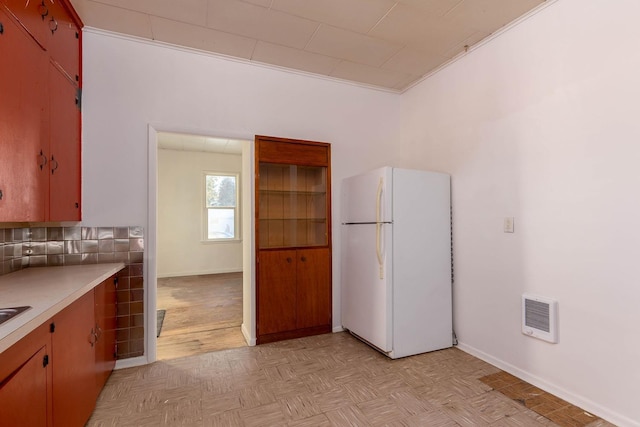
(53, 376)
(105, 329)
(74, 363)
(294, 297)
(25, 380)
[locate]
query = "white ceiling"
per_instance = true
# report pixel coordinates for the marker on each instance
(186, 142)
(389, 44)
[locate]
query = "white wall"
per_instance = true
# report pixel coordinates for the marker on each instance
(180, 246)
(542, 124)
(129, 84)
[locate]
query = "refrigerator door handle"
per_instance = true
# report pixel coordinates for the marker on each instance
(379, 228)
(379, 249)
(379, 199)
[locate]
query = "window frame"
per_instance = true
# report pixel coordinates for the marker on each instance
(205, 209)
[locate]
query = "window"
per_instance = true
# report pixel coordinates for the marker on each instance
(221, 207)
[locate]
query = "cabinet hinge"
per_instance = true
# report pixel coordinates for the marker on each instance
(115, 281)
(79, 98)
(115, 351)
(45, 360)
(52, 327)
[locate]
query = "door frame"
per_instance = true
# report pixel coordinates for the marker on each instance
(248, 233)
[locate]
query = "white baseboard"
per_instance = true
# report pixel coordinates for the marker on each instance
(337, 329)
(198, 273)
(582, 402)
(131, 362)
(251, 341)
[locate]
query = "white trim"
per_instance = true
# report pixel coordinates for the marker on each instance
(224, 242)
(131, 362)
(247, 336)
(581, 401)
(151, 252)
(337, 329)
(200, 273)
(150, 283)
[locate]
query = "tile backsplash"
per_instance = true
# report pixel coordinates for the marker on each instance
(53, 246)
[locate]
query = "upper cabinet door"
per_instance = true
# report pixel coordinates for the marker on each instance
(293, 196)
(64, 149)
(34, 16)
(64, 45)
(23, 124)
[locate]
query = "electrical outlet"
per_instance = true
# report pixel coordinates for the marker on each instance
(508, 224)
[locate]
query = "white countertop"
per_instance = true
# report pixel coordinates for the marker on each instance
(47, 290)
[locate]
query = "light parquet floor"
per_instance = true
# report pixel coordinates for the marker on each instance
(203, 314)
(326, 380)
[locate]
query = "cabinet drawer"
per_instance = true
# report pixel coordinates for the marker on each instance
(293, 153)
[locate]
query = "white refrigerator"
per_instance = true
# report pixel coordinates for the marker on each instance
(396, 260)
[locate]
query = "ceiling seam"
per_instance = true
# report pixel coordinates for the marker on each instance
(454, 7)
(153, 36)
(312, 36)
(383, 16)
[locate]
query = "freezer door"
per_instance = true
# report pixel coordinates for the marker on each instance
(367, 197)
(366, 293)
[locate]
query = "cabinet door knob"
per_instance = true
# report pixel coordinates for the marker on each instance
(43, 160)
(303, 259)
(42, 10)
(54, 165)
(92, 337)
(289, 260)
(53, 25)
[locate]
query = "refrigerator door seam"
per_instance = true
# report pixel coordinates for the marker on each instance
(378, 228)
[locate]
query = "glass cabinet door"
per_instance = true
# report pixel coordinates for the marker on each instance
(293, 206)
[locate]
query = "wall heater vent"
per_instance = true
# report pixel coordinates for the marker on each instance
(540, 318)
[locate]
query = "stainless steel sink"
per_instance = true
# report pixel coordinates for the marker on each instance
(9, 313)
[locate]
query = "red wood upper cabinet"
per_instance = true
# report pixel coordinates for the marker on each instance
(33, 15)
(64, 44)
(40, 119)
(64, 148)
(23, 124)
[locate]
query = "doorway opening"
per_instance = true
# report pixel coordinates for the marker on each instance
(199, 244)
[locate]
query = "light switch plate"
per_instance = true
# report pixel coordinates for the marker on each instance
(508, 224)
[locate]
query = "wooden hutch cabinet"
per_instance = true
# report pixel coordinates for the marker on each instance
(293, 238)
